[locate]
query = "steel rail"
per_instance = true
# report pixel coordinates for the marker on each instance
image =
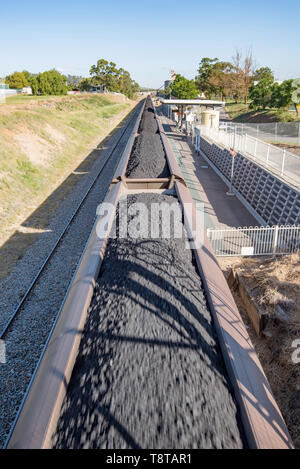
(39, 410)
(61, 235)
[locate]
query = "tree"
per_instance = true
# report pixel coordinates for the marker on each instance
(33, 83)
(281, 96)
(107, 74)
(182, 88)
(205, 71)
(296, 94)
(127, 86)
(18, 80)
(221, 79)
(85, 84)
(263, 72)
(244, 74)
(261, 93)
(50, 82)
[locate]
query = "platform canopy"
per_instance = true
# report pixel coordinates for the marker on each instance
(193, 102)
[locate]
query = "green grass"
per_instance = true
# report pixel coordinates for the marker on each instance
(79, 121)
(26, 184)
(21, 98)
(241, 112)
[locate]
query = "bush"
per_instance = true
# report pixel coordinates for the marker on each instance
(18, 80)
(49, 83)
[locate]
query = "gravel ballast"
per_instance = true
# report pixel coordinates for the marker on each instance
(149, 372)
(29, 332)
(148, 159)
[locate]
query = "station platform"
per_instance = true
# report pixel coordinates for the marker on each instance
(220, 210)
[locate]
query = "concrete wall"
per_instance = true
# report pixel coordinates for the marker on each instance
(275, 202)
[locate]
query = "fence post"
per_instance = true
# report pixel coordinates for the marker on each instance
(268, 153)
(275, 239)
(283, 161)
(255, 148)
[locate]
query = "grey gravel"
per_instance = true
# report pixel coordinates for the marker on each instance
(29, 332)
(148, 159)
(149, 372)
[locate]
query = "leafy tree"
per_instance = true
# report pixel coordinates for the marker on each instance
(18, 80)
(218, 78)
(281, 96)
(106, 74)
(261, 93)
(205, 71)
(182, 88)
(33, 83)
(50, 82)
(263, 72)
(85, 84)
(221, 79)
(296, 94)
(113, 79)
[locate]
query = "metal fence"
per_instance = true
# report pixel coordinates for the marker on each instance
(279, 161)
(271, 132)
(255, 241)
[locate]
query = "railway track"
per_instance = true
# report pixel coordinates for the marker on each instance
(148, 348)
(33, 317)
(14, 315)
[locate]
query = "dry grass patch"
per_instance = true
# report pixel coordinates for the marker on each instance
(276, 282)
(42, 143)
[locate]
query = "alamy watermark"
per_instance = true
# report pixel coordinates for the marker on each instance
(296, 353)
(2, 97)
(152, 221)
(296, 92)
(2, 351)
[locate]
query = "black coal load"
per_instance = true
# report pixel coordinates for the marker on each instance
(147, 159)
(149, 372)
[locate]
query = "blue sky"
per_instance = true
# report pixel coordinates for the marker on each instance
(147, 38)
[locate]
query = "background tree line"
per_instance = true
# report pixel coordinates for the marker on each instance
(50, 82)
(104, 74)
(238, 80)
(107, 75)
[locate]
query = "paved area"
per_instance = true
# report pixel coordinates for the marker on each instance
(206, 187)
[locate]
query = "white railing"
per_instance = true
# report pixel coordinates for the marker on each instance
(255, 241)
(279, 161)
(271, 132)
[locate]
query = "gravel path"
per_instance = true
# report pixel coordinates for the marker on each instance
(148, 158)
(149, 373)
(29, 332)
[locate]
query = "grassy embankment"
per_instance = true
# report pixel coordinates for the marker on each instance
(42, 142)
(241, 112)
